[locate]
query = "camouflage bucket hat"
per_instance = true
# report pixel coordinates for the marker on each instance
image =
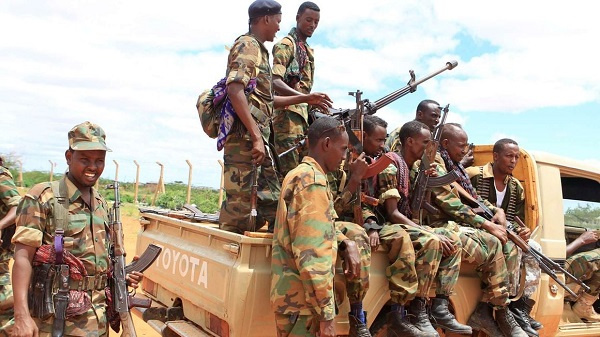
(87, 136)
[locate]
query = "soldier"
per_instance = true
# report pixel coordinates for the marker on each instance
(249, 88)
(391, 188)
(306, 240)
(85, 242)
(293, 74)
(585, 266)
(494, 182)
(9, 199)
(483, 241)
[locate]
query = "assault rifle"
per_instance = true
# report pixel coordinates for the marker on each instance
(369, 108)
(424, 183)
(122, 301)
(546, 264)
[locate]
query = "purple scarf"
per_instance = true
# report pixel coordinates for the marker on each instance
(463, 177)
(227, 113)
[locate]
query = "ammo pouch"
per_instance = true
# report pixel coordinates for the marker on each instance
(41, 304)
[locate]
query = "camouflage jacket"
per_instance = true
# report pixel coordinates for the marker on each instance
(392, 142)
(9, 196)
(85, 237)
(513, 204)
(385, 187)
(248, 58)
(447, 199)
(304, 244)
(287, 66)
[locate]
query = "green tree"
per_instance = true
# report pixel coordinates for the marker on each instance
(583, 216)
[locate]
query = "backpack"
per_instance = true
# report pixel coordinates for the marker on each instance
(210, 115)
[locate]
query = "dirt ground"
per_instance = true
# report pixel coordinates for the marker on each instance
(131, 225)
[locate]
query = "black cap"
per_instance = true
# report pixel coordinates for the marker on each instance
(263, 7)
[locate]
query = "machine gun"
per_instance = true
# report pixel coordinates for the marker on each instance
(122, 301)
(424, 183)
(369, 108)
(546, 264)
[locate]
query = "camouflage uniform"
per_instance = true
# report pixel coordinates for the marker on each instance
(392, 143)
(513, 205)
(85, 237)
(305, 245)
(290, 123)
(248, 58)
(401, 272)
(9, 197)
(479, 247)
(586, 266)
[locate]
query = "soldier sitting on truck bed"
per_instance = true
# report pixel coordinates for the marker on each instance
(306, 240)
(245, 153)
(586, 267)
(494, 182)
(392, 188)
(482, 240)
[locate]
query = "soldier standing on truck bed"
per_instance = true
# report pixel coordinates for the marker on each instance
(494, 182)
(306, 239)
(246, 152)
(293, 74)
(586, 267)
(392, 188)
(84, 215)
(482, 240)
(9, 199)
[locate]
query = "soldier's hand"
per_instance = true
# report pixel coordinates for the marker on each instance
(588, 237)
(373, 239)
(448, 247)
(326, 329)
(468, 159)
(24, 327)
(496, 230)
(319, 99)
(133, 279)
(258, 151)
(351, 260)
(499, 217)
(431, 171)
(524, 233)
(358, 167)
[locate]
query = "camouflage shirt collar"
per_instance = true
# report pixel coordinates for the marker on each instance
(488, 172)
(74, 193)
(262, 46)
(312, 162)
(294, 35)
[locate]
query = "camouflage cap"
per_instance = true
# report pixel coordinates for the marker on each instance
(87, 136)
(263, 7)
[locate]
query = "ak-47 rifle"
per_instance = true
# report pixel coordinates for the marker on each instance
(122, 301)
(254, 197)
(369, 108)
(424, 183)
(546, 264)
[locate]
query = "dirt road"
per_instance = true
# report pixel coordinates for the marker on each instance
(131, 226)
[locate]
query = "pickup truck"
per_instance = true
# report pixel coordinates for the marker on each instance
(209, 282)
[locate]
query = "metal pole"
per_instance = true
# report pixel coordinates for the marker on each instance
(189, 189)
(20, 173)
(160, 183)
(116, 170)
(222, 183)
(137, 181)
(51, 169)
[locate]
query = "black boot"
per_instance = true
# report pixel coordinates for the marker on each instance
(520, 314)
(399, 326)
(482, 319)
(417, 312)
(441, 317)
(528, 304)
(507, 324)
(358, 328)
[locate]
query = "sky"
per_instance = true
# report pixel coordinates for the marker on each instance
(527, 70)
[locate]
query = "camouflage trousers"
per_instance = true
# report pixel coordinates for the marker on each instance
(485, 251)
(428, 254)
(6, 293)
(238, 174)
(289, 128)
(512, 258)
(296, 325)
(585, 266)
(449, 268)
(357, 287)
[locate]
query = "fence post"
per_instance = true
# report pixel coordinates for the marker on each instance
(20, 173)
(137, 181)
(51, 169)
(160, 185)
(189, 189)
(222, 183)
(116, 170)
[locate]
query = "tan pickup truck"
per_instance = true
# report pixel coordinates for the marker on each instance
(208, 282)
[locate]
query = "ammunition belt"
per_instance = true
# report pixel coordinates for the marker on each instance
(88, 283)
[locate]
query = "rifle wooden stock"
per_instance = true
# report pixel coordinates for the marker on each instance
(127, 324)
